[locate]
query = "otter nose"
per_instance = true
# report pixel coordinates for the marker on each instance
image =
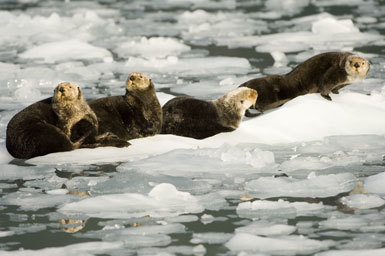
(132, 78)
(61, 89)
(356, 65)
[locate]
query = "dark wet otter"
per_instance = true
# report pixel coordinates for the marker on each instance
(323, 73)
(60, 123)
(199, 119)
(136, 114)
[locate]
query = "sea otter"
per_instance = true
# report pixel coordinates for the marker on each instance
(322, 73)
(134, 115)
(199, 119)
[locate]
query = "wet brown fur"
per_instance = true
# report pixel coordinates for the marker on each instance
(134, 115)
(199, 119)
(323, 73)
(56, 124)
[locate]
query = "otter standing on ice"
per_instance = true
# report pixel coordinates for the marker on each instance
(323, 73)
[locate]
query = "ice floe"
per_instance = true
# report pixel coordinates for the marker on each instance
(265, 228)
(280, 209)
(348, 114)
(360, 201)
(286, 245)
(162, 201)
(313, 186)
(154, 47)
(375, 184)
(67, 50)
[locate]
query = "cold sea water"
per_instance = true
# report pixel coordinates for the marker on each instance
(303, 179)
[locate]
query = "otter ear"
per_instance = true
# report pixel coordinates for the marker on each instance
(151, 84)
(80, 93)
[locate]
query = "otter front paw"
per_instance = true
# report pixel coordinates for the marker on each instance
(326, 97)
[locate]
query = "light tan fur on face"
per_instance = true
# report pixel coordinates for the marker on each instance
(137, 81)
(70, 107)
(66, 92)
(234, 104)
(357, 68)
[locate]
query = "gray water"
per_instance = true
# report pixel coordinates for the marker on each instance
(34, 194)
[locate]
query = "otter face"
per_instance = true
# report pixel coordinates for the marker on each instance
(138, 81)
(242, 99)
(356, 67)
(67, 91)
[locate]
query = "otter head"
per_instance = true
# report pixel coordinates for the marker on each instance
(356, 67)
(67, 92)
(235, 103)
(241, 99)
(137, 82)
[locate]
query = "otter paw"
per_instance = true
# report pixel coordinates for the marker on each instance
(335, 92)
(326, 97)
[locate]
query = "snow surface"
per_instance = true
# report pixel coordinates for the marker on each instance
(304, 178)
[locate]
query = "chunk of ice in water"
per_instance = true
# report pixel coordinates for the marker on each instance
(285, 245)
(313, 186)
(332, 26)
(280, 208)
(357, 252)
(265, 228)
(211, 238)
(375, 184)
(72, 49)
(362, 201)
(154, 47)
(164, 200)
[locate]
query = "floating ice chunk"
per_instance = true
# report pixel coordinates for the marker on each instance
(313, 186)
(327, 33)
(266, 209)
(333, 26)
(212, 201)
(190, 66)
(205, 162)
(162, 201)
(360, 201)
(35, 201)
(139, 149)
(256, 158)
(345, 223)
(375, 183)
(347, 114)
(86, 249)
(173, 250)
(211, 238)
(129, 240)
(154, 229)
(357, 252)
(280, 59)
(154, 47)
(6, 233)
(287, 7)
(286, 245)
(182, 218)
(67, 50)
(204, 27)
(265, 228)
